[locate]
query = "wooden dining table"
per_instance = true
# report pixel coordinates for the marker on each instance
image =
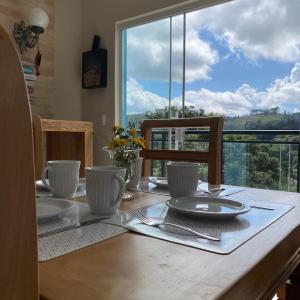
(134, 266)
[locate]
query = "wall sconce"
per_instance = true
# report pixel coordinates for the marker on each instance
(27, 36)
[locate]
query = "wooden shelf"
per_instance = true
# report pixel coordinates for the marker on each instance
(62, 139)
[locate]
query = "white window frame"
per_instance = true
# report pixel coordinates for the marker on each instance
(184, 7)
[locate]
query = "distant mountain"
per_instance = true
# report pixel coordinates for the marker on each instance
(263, 121)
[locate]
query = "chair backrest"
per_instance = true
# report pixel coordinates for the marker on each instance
(212, 157)
(38, 145)
(18, 235)
(62, 139)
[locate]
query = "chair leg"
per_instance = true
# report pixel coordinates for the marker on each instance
(281, 292)
(293, 287)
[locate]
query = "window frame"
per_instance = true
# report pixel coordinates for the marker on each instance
(182, 8)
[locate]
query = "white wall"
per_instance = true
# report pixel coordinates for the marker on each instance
(67, 59)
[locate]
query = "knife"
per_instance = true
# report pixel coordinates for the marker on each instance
(74, 226)
(262, 207)
(230, 191)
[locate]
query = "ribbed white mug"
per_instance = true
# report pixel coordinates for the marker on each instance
(183, 178)
(104, 188)
(63, 177)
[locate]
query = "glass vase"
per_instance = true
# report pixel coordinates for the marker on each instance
(124, 158)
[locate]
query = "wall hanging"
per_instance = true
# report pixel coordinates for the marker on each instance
(94, 66)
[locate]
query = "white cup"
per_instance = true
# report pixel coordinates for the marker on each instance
(63, 177)
(136, 174)
(104, 188)
(183, 178)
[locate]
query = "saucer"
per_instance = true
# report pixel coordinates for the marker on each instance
(47, 208)
(159, 181)
(39, 184)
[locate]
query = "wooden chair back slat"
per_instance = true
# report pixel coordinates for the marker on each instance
(62, 139)
(38, 146)
(212, 157)
(18, 235)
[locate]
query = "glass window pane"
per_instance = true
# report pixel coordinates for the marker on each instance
(146, 71)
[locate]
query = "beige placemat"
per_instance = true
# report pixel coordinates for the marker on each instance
(233, 232)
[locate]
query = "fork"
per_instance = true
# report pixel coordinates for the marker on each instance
(213, 191)
(152, 222)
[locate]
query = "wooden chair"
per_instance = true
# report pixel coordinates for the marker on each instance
(18, 235)
(62, 139)
(212, 157)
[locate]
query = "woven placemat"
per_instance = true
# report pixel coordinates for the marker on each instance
(61, 243)
(68, 241)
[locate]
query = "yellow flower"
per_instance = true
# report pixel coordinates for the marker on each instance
(132, 132)
(114, 144)
(139, 141)
(115, 128)
(123, 142)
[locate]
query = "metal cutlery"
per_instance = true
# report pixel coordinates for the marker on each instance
(262, 207)
(221, 192)
(73, 226)
(230, 191)
(155, 222)
(213, 191)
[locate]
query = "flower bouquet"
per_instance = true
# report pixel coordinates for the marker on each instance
(124, 150)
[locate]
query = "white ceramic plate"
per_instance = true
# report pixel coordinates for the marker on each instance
(208, 207)
(52, 207)
(40, 185)
(159, 181)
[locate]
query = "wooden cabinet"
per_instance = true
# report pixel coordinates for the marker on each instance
(61, 139)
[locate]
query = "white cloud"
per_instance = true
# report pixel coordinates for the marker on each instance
(284, 93)
(267, 29)
(139, 100)
(258, 28)
(148, 49)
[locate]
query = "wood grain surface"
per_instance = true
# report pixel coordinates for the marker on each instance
(18, 252)
(133, 266)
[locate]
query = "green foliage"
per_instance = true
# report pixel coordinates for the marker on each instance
(260, 165)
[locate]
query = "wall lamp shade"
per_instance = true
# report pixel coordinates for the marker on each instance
(37, 17)
(27, 35)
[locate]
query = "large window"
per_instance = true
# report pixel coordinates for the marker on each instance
(241, 60)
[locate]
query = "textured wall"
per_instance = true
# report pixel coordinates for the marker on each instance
(12, 11)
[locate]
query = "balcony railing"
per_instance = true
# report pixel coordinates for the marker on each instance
(254, 158)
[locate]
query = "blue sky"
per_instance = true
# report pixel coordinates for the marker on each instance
(240, 56)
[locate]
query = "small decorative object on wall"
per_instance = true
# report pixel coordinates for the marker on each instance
(29, 70)
(94, 66)
(27, 35)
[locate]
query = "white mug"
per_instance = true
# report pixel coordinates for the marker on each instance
(104, 188)
(183, 178)
(63, 177)
(136, 174)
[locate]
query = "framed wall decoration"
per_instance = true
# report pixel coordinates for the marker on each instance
(94, 69)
